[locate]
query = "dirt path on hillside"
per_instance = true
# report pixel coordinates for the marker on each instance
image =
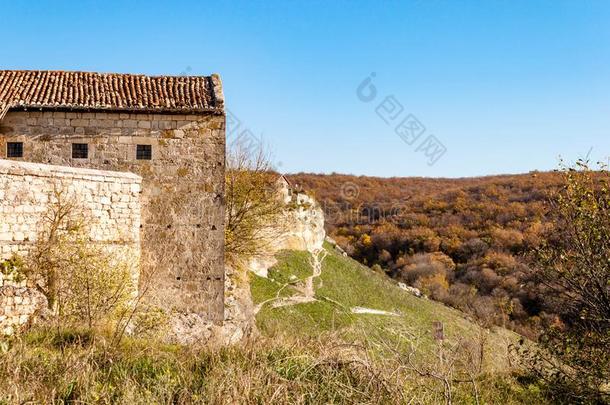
(371, 311)
(306, 293)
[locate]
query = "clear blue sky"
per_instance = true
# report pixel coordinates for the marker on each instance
(506, 86)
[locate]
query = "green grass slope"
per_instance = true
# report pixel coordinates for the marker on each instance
(345, 284)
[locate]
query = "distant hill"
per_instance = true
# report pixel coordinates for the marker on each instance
(463, 241)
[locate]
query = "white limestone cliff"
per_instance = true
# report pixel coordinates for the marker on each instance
(304, 230)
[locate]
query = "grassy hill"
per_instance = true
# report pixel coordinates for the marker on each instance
(343, 285)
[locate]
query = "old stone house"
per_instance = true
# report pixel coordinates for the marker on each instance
(168, 130)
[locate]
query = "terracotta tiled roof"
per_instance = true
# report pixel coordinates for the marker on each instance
(21, 89)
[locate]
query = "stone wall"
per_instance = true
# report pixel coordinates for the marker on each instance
(109, 201)
(17, 306)
(183, 189)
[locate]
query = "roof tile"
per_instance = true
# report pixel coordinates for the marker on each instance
(109, 91)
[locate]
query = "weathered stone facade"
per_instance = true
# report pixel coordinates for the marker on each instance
(109, 202)
(170, 130)
(17, 306)
(182, 191)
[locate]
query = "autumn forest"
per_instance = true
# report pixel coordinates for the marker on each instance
(465, 242)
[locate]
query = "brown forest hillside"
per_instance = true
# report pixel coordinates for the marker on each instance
(462, 241)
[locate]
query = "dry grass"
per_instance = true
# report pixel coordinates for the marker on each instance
(41, 367)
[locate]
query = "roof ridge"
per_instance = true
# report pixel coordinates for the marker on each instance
(99, 73)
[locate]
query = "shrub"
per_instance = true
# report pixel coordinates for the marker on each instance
(574, 264)
(254, 210)
(84, 282)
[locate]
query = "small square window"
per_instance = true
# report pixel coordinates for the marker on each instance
(14, 149)
(80, 151)
(144, 152)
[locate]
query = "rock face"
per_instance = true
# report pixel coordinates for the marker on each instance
(305, 225)
(304, 230)
(239, 322)
(239, 310)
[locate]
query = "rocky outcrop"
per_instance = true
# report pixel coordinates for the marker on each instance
(304, 230)
(411, 290)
